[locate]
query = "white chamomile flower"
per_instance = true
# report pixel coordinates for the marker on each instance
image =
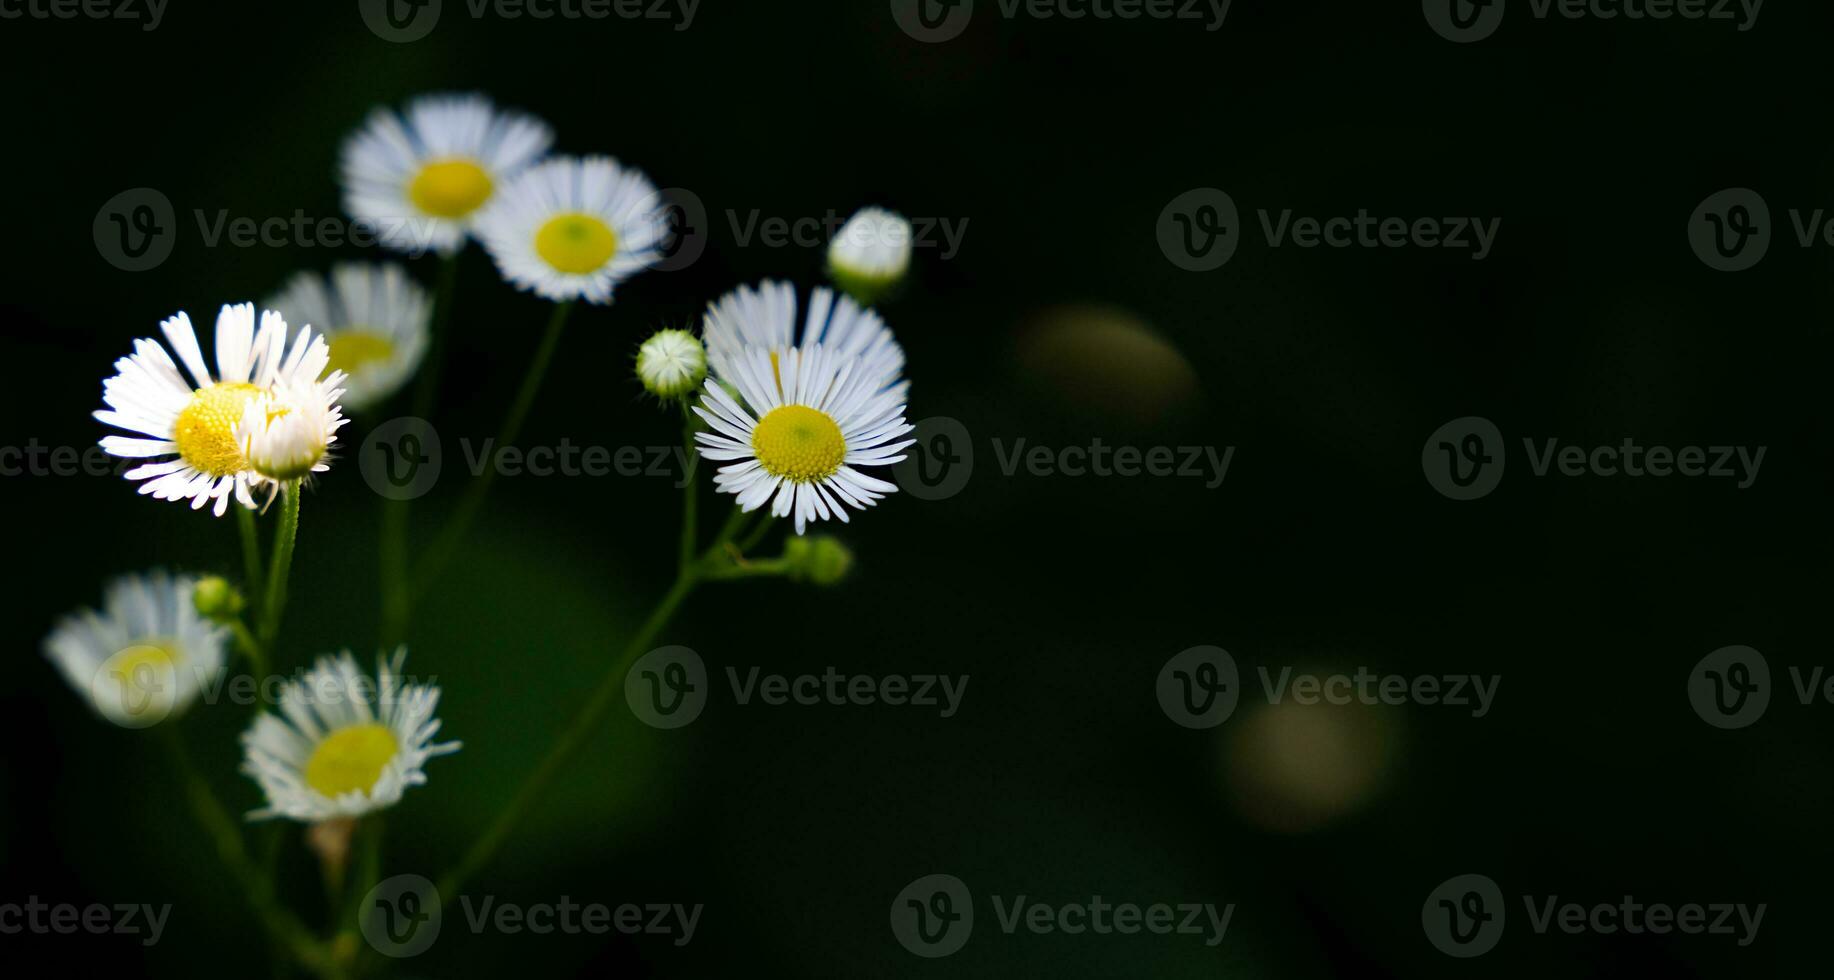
(766, 317)
(286, 434)
(145, 656)
(343, 745)
(374, 319)
(195, 421)
(871, 253)
(810, 416)
(573, 228)
(418, 178)
(671, 363)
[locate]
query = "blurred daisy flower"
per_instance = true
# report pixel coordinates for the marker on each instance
(765, 317)
(418, 178)
(145, 655)
(871, 253)
(342, 745)
(573, 228)
(196, 424)
(374, 319)
(809, 416)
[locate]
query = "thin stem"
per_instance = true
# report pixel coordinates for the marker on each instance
(281, 925)
(440, 552)
(251, 551)
(250, 647)
(690, 495)
(285, 533)
(569, 742)
(426, 386)
(767, 568)
(392, 544)
(587, 718)
(757, 534)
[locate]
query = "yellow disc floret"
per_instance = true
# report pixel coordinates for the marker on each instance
(450, 188)
(576, 243)
(799, 443)
(350, 759)
(353, 348)
(205, 431)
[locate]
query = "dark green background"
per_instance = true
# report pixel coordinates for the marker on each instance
(1059, 142)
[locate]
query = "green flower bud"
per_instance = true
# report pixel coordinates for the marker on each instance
(671, 364)
(818, 560)
(216, 599)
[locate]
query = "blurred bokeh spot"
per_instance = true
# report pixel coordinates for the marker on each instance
(1104, 365)
(1294, 768)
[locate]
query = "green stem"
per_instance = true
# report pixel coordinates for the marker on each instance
(392, 544)
(757, 534)
(765, 568)
(285, 534)
(250, 647)
(443, 547)
(569, 742)
(251, 551)
(282, 926)
(426, 386)
(690, 495)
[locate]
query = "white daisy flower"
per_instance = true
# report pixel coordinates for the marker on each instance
(287, 433)
(346, 745)
(766, 317)
(417, 179)
(872, 251)
(573, 228)
(810, 416)
(671, 363)
(145, 655)
(196, 423)
(373, 316)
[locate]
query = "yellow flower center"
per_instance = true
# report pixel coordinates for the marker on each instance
(205, 431)
(450, 188)
(140, 681)
(799, 443)
(350, 759)
(576, 243)
(354, 348)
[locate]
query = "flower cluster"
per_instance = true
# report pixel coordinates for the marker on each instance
(798, 402)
